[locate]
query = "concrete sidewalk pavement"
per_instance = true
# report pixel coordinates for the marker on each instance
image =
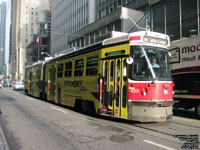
(3, 142)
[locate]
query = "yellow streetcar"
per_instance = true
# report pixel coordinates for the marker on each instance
(114, 78)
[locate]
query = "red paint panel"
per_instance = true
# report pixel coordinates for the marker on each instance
(155, 92)
(134, 38)
(101, 87)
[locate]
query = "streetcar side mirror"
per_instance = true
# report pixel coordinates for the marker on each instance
(129, 60)
(170, 55)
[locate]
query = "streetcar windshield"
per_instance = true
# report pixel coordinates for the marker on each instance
(149, 63)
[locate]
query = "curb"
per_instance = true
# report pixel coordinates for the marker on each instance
(3, 142)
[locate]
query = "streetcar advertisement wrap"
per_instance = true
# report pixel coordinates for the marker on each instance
(125, 77)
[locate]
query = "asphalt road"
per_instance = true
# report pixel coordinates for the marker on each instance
(32, 124)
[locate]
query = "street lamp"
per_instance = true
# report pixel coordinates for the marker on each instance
(127, 17)
(45, 53)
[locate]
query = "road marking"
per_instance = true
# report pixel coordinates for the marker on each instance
(185, 119)
(59, 109)
(159, 145)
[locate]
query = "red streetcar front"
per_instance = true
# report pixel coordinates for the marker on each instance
(150, 86)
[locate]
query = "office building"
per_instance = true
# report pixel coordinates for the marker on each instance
(26, 16)
(2, 35)
(106, 7)
(7, 39)
(69, 16)
(43, 44)
(177, 18)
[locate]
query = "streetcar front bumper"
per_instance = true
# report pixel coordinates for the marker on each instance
(150, 111)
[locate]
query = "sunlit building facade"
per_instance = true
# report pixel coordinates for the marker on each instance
(26, 16)
(69, 16)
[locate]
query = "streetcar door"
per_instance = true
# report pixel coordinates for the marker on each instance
(114, 87)
(51, 83)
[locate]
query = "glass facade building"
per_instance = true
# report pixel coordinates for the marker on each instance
(177, 18)
(2, 35)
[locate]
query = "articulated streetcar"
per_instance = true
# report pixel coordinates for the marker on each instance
(125, 77)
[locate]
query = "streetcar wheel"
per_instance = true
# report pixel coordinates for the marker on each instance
(25, 92)
(197, 110)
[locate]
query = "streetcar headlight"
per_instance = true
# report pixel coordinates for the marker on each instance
(144, 91)
(165, 91)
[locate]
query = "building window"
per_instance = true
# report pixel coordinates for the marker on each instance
(117, 25)
(172, 19)
(92, 38)
(158, 17)
(189, 18)
(86, 40)
(103, 30)
(110, 28)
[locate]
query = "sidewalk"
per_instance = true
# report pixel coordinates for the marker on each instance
(3, 142)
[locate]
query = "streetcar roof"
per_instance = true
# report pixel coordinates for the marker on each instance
(116, 39)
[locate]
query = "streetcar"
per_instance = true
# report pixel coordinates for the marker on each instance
(114, 77)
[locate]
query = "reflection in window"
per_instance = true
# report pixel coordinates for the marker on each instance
(158, 17)
(189, 18)
(172, 19)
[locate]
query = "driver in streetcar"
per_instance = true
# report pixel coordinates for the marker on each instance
(154, 64)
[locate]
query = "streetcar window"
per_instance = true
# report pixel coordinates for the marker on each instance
(118, 70)
(124, 97)
(117, 96)
(110, 96)
(68, 69)
(79, 65)
(111, 71)
(92, 65)
(124, 70)
(149, 63)
(38, 74)
(105, 70)
(60, 67)
(60, 71)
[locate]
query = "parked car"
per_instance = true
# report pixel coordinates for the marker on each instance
(18, 86)
(6, 83)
